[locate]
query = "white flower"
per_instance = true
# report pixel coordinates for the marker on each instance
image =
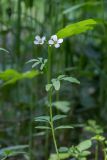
(39, 40)
(55, 41)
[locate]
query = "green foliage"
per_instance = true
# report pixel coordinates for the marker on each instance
(62, 106)
(80, 152)
(93, 127)
(76, 28)
(56, 82)
(3, 50)
(64, 127)
(11, 76)
(13, 151)
(38, 61)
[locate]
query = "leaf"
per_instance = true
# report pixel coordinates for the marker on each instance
(11, 76)
(48, 87)
(57, 117)
(85, 153)
(61, 76)
(42, 127)
(62, 106)
(4, 50)
(63, 149)
(43, 118)
(71, 79)
(76, 28)
(61, 156)
(35, 64)
(64, 127)
(77, 6)
(56, 84)
(12, 149)
(32, 60)
(84, 145)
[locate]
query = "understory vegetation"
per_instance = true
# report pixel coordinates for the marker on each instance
(53, 76)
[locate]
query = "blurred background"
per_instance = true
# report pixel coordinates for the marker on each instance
(83, 56)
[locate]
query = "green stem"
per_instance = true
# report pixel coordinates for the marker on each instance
(96, 152)
(51, 123)
(50, 101)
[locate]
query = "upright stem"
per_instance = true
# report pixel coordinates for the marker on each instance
(50, 102)
(96, 152)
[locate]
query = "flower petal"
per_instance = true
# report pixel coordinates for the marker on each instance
(43, 38)
(37, 38)
(57, 45)
(36, 42)
(50, 42)
(54, 37)
(60, 40)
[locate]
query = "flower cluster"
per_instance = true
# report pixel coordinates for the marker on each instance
(53, 41)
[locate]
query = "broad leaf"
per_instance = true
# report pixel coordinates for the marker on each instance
(76, 28)
(62, 106)
(63, 149)
(56, 84)
(48, 87)
(11, 76)
(71, 79)
(84, 145)
(61, 156)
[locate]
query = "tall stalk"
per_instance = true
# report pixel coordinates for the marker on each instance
(50, 102)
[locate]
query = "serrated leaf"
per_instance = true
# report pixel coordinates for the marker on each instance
(84, 145)
(57, 117)
(64, 127)
(56, 84)
(42, 127)
(48, 87)
(76, 28)
(71, 79)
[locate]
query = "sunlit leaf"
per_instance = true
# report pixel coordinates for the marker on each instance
(84, 145)
(11, 76)
(76, 28)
